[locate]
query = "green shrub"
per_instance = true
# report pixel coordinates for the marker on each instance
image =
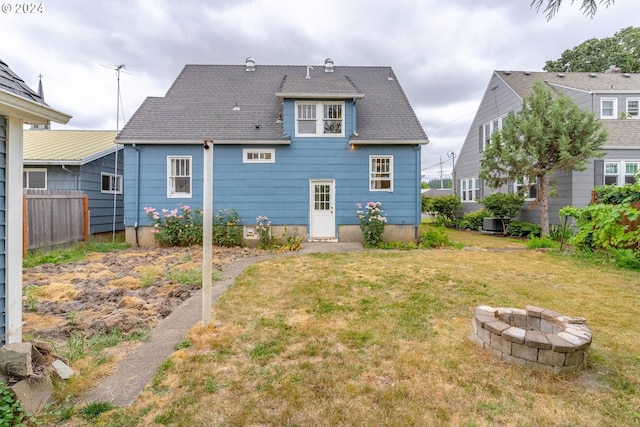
(474, 220)
(227, 230)
(523, 229)
(372, 223)
(443, 208)
(11, 412)
(560, 233)
(600, 228)
(434, 238)
(626, 258)
(612, 194)
(503, 206)
(541, 243)
(177, 227)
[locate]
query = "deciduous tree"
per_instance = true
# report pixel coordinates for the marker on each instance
(622, 50)
(550, 134)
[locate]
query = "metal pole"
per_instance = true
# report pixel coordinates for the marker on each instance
(207, 230)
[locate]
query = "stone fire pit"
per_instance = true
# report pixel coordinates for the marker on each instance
(534, 337)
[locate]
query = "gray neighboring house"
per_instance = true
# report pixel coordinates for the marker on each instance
(19, 105)
(613, 97)
(83, 160)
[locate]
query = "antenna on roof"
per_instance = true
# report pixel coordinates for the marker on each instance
(116, 183)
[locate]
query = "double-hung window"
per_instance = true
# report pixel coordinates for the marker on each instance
(608, 108)
(324, 119)
(111, 183)
(179, 176)
(469, 189)
(489, 128)
(633, 108)
(381, 173)
(620, 172)
(523, 186)
(34, 178)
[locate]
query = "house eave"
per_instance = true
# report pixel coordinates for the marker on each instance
(31, 162)
(306, 95)
(389, 141)
(286, 141)
(620, 147)
(28, 111)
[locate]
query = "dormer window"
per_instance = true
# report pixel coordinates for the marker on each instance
(633, 107)
(323, 119)
(608, 108)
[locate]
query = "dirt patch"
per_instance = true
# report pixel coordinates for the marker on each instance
(127, 290)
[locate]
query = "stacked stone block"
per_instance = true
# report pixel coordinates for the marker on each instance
(535, 337)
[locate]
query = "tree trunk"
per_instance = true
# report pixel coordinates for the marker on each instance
(543, 200)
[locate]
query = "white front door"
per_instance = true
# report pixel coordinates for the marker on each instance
(322, 218)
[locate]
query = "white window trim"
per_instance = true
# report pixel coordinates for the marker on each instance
(622, 170)
(372, 178)
(637, 99)
(40, 170)
(524, 183)
(615, 108)
(320, 119)
(118, 183)
(261, 155)
(492, 128)
(177, 195)
(468, 189)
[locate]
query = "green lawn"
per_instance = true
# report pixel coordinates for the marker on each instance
(381, 338)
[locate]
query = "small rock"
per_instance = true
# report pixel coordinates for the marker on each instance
(33, 395)
(62, 369)
(15, 359)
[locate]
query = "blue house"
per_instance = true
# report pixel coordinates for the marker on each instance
(301, 145)
(83, 160)
(19, 105)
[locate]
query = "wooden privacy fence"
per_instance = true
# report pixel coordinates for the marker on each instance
(54, 217)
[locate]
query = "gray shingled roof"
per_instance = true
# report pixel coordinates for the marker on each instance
(12, 83)
(199, 104)
(522, 81)
(622, 133)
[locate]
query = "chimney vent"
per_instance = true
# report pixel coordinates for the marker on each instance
(328, 65)
(250, 64)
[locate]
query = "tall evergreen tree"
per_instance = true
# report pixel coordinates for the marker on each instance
(589, 7)
(550, 134)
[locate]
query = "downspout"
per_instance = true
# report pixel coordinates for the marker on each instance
(419, 198)
(64, 168)
(137, 186)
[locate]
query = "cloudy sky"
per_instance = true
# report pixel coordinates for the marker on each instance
(443, 51)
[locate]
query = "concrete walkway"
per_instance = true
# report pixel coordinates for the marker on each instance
(137, 368)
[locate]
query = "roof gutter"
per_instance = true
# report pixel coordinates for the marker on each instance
(30, 111)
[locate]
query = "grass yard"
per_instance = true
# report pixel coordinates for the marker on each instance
(380, 338)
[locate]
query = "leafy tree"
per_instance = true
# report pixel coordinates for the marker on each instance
(589, 7)
(597, 55)
(550, 134)
(436, 183)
